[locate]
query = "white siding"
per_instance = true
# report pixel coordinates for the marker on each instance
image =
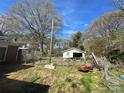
(68, 54)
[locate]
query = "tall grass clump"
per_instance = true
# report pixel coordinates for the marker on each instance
(86, 81)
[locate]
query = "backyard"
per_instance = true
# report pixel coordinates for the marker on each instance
(61, 46)
(34, 78)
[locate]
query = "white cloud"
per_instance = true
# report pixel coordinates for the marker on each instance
(66, 25)
(69, 32)
(70, 11)
(85, 25)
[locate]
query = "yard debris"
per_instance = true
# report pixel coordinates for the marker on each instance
(122, 77)
(85, 68)
(109, 80)
(50, 66)
(95, 70)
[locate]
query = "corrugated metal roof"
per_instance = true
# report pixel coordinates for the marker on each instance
(73, 49)
(4, 41)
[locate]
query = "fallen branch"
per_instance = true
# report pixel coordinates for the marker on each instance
(110, 81)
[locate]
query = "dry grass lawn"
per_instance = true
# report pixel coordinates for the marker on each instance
(36, 79)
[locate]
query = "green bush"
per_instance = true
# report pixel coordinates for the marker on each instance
(115, 56)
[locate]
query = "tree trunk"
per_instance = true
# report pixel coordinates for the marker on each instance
(41, 48)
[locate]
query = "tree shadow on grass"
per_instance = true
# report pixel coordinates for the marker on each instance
(16, 86)
(8, 68)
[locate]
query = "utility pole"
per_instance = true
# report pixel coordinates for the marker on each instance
(51, 41)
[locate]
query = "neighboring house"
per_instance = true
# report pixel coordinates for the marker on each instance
(59, 45)
(8, 50)
(73, 53)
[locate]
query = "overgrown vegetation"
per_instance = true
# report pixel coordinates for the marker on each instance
(92, 82)
(63, 79)
(105, 35)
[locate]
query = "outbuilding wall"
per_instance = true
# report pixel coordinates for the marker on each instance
(11, 54)
(69, 54)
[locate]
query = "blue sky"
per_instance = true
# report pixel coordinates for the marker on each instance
(77, 14)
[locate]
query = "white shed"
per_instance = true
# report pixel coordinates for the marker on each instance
(73, 53)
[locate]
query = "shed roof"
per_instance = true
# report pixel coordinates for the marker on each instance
(5, 41)
(73, 49)
(9, 43)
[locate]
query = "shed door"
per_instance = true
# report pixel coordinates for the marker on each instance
(19, 57)
(2, 53)
(77, 54)
(11, 54)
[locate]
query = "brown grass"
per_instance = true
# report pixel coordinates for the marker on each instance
(36, 79)
(63, 79)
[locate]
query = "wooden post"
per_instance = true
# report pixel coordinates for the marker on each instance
(51, 41)
(95, 58)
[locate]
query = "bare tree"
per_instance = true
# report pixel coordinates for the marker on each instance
(8, 26)
(36, 17)
(119, 4)
(104, 31)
